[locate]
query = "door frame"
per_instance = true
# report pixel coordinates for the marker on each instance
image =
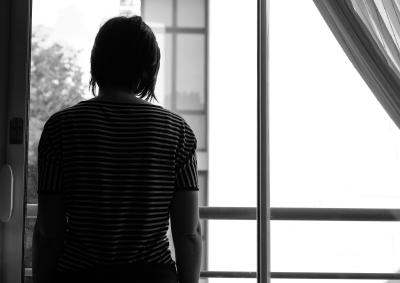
(14, 103)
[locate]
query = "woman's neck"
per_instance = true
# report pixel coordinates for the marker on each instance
(117, 95)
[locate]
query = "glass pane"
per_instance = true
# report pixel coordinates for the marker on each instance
(335, 246)
(198, 125)
(191, 13)
(332, 143)
(164, 80)
(233, 104)
(190, 72)
(158, 11)
(232, 134)
(233, 245)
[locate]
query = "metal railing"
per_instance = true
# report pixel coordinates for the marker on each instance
(288, 213)
(289, 275)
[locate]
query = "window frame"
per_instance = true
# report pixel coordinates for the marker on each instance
(263, 158)
(15, 51)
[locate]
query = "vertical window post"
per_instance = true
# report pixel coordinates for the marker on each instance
(14, 96)
(263, 205)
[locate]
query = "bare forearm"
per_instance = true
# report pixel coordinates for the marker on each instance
(188, 257)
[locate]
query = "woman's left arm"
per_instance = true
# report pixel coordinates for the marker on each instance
(48, 237)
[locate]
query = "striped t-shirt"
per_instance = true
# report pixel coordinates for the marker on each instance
(117, 166)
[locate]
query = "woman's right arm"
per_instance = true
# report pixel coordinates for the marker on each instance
(186, 234)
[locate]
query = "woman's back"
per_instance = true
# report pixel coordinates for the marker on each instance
(120, 166)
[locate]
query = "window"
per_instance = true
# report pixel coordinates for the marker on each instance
(332, 145)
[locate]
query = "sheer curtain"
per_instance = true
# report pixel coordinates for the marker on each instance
(382, 18)
(369, 33)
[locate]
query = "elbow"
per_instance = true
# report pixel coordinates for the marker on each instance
(192, 234)
(198, 229)
(196, 233)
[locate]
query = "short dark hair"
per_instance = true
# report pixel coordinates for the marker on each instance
(125, 55)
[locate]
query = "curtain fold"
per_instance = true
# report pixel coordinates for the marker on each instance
(380, 17)
(368, 36)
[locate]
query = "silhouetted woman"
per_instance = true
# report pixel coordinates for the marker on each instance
(113, 170)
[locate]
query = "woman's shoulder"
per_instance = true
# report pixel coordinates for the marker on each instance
(85, 107)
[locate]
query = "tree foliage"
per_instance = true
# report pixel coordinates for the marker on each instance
(56, 83)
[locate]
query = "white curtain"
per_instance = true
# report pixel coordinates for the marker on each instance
(382, 18)
(369, 33)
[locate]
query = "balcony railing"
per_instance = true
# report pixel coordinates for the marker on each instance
(288, 213)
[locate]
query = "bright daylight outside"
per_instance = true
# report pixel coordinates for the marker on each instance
(331, 142)
(332, 145)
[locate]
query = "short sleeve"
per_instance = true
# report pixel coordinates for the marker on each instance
(186, 161)
(49, 161)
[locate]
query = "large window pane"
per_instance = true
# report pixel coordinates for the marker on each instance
(233, 103)
(232, 106)
(190, 71)
(332, 143)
